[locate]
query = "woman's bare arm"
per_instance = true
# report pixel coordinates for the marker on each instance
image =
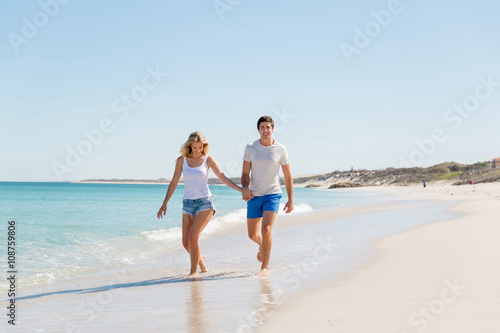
(171, 187)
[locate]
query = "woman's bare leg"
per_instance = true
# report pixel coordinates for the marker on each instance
(200, 222)
(187, 223)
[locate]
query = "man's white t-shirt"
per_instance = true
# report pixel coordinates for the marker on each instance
(266, 162)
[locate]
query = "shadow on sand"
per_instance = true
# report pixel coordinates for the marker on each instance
(146, 283)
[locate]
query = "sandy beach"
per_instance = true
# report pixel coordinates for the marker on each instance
(441, 277)
(383, 259)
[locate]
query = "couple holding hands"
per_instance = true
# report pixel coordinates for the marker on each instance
(260, 189)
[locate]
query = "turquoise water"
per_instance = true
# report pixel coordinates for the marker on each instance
(68, 229)
(94, 257)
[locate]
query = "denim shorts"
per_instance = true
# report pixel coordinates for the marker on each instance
(258, 205)
(194, 206)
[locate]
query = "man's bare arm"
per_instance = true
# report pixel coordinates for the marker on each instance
(287, 174)
(245, 180)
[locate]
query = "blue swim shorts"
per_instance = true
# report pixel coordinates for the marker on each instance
(257, 205)
(194, 206)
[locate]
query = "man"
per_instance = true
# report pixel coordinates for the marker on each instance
(262, 161)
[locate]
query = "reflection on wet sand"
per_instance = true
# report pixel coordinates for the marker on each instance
(266, 302)
(196, 321)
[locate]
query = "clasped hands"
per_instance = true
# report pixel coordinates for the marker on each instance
(246, 194)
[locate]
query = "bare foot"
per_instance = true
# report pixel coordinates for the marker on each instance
(202, 265)
(259, 255)
(193, 275)
(263, 272)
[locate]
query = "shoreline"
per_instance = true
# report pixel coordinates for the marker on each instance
(439, 277)
(283, 221)
(125, 183)
(107, 297)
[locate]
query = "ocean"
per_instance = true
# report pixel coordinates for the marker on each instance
(79, 241)
(68, 229)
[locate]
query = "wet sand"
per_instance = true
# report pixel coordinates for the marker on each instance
(441, 277)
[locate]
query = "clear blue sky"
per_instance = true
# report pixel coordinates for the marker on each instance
(68, 68)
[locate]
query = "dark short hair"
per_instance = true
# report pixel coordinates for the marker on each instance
(265, 119)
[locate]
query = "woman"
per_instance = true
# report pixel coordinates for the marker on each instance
(197, 205)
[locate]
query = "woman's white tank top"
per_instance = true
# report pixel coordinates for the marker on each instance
(195, 180)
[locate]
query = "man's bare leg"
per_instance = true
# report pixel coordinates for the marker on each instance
(253, 226)
(267, 240)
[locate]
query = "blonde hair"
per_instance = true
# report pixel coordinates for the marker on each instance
(194, 138)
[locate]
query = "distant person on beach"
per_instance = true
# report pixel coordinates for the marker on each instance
(261, 163)
(197, 204)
